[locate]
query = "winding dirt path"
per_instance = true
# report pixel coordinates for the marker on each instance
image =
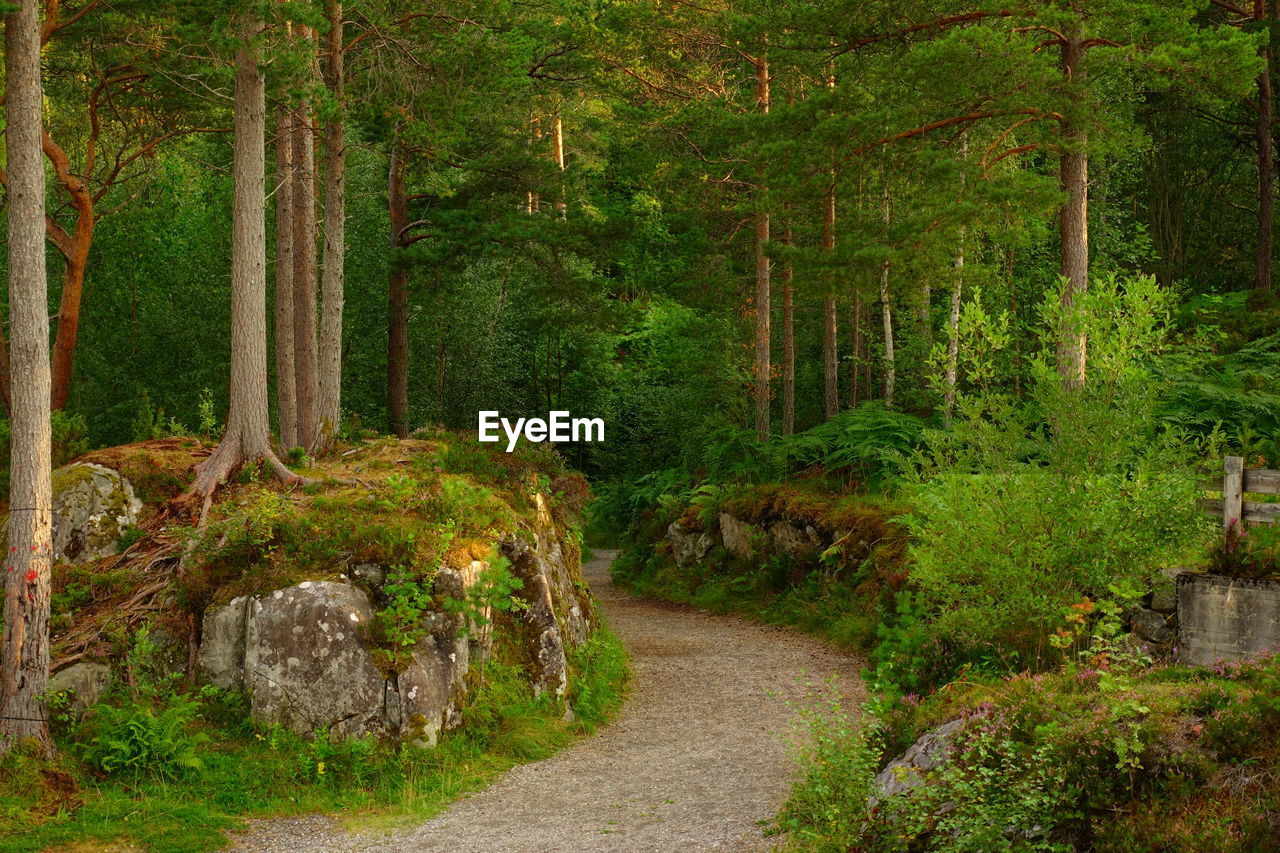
(699, 757)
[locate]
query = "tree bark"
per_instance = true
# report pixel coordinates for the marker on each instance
(248, 434)
(305, 361)
(1074, 227)
(1266, 170)
(24, 671)
(398, 301)
(286, 380)
(329, 403)
(763, 359)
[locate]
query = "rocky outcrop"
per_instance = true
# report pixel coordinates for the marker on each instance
(92, 508)
(83, 683)
(558, 611)
(737, 536)
(689, 546)
(303, 656)
(913, 767)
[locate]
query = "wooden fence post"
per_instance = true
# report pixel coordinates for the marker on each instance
(1233, 492)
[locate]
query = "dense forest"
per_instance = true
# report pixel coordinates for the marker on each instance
(980, 292)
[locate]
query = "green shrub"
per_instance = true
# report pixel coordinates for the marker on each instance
(144, 737)
(1023, 510)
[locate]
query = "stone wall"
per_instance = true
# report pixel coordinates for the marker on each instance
(1224, 618)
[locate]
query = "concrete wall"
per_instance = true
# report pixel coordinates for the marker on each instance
(1226, 618)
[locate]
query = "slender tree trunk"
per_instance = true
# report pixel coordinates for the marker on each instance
(329, 403)
(856, 341)
(953, 341)
(557, 149)
(1074, 221)
(886, 316)
(763, 359)
(1266, 169)
(305, 360)
(248, 434)
(286, 381)
(830, 347)
(398, 299)
(24, 671)
(788, 344)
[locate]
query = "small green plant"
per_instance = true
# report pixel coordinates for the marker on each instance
(145, 736)
(494, 590)
(206, 419)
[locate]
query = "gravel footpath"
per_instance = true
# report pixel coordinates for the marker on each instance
(699, 757)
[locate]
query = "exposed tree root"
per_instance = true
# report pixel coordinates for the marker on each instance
(229, 456)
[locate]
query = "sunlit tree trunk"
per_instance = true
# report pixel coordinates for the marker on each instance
(398, 301)
(248, 434)
(857, 343)
(286, 381)
(24, 671)
(329, 402)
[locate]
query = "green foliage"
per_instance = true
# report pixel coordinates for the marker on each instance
(828, 808)
(494, 590)
(1021, 511)
(144, 737)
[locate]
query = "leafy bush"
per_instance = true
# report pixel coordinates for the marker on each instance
(1023, 510)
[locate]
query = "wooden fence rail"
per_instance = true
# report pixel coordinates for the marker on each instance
(1232, 508)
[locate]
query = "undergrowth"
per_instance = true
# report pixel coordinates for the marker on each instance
(173, 774)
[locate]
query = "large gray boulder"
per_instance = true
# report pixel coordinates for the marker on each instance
(305, 665)
(689, 546)
(92, 508)
(913, 766)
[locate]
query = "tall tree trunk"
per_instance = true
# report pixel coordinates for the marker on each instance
(788, 344)
(1074, 222)
(286, 381)
(953, 341)
(329, 404)
(1266, 167)
(398, 301)
(830, 348)
(248, 434)
(763, 359)
(886, 317)
(305, 361)
(24, 671)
